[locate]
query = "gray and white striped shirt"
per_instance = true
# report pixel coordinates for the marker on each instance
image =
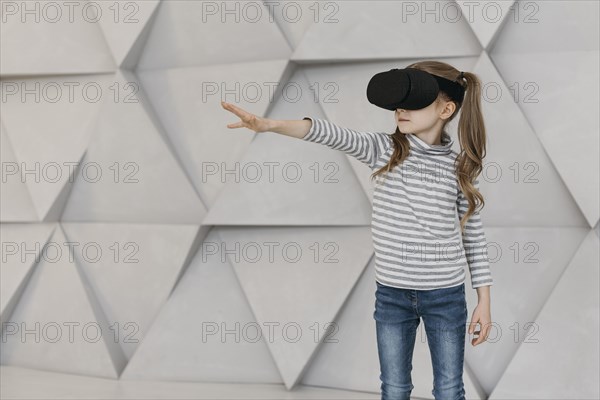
(415, 229)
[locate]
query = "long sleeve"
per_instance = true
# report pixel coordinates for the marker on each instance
(366, 147)
(475, 244)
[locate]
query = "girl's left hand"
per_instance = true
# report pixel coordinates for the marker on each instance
(481, 315)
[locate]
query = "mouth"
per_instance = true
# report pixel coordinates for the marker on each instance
(401, 120)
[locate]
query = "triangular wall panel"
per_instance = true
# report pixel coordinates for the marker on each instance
(309, 272)
(553, 76)
(143, 88)
(561, 338)
(124, 31)
(46, 138)
(70, 327)
(131, 269)
(286, 181)
(206, 332)
(39, 38)
(385, 30)
(244, 34)
(23, 248)
(197, 124)
(16, 204)
(132, 174)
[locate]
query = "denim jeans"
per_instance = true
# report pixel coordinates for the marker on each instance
(397, 315)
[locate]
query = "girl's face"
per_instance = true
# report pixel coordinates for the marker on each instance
(425, 119)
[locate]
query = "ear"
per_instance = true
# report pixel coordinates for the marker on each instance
(448, 110)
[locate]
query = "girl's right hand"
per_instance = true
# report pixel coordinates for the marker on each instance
(248, 120)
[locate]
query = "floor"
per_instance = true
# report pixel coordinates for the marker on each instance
(24, 383)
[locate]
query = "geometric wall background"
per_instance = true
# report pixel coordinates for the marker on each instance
(127, 205)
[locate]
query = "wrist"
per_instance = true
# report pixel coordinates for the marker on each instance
(271, 125)
(483, 294)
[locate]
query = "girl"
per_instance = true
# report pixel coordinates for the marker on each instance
(422, 185)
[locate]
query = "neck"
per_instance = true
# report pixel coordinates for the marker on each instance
(427, 143)
(431, 138)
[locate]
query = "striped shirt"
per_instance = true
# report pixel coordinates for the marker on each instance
(416, 210)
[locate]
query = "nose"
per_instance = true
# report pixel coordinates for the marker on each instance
(399, 110)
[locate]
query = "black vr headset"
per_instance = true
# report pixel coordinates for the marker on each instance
(410, 89)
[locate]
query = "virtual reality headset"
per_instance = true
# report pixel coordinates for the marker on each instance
(410, 89)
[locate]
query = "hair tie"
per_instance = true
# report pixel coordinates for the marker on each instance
(462, 75)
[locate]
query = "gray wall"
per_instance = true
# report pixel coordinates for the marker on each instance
(187, 238)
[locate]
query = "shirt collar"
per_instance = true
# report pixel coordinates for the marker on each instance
(422, 147)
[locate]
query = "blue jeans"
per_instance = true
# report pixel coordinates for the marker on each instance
(397, 315)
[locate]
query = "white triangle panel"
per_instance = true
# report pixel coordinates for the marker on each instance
(15, 202)
(293, 18)
(555, 75)
(206, 331)
(296, 279)
(370, 30)
(22, 248)
(45, 38)
(133, 176)
(560, 355)
(520, 259)
(64, 331)
(123, 24)
(197, 123)
(519, 176)
(550, 27)
(347, 357)
(133, 272)
(57, 208)
(289, 181)
(486, 18)
(211, 34)
(568, 129)
(58, 118)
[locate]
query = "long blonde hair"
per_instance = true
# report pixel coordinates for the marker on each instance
(471, 134)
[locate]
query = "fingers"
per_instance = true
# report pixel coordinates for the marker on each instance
(486, 331)
(234, 109)
(477, 340)
(236, 125)
(246, 117)
(472, 326)
(482, 334)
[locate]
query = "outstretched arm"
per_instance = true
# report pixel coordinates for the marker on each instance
(366, 147)
(293, 128)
